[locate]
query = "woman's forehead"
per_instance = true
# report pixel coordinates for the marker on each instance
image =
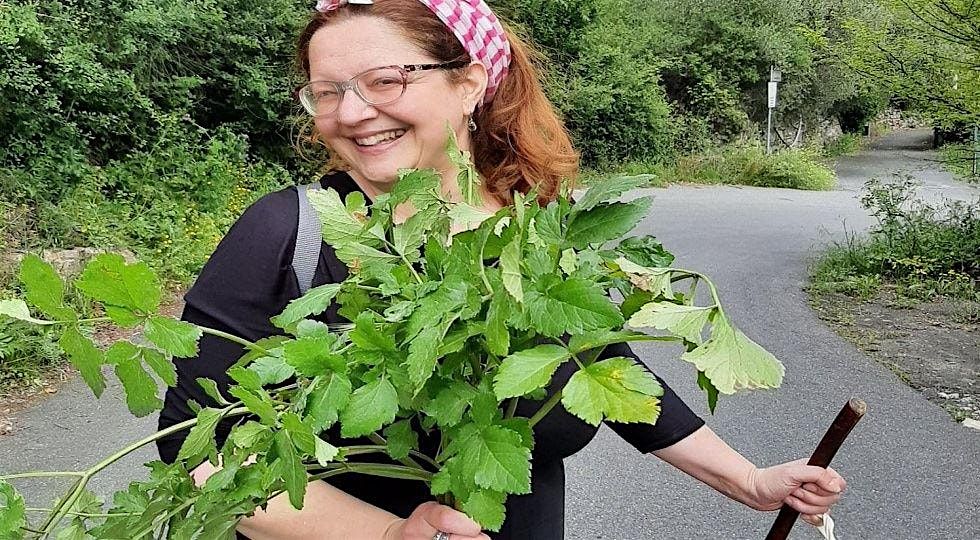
(345, 48)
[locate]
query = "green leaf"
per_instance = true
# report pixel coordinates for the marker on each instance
(141, 390)
(496, 333)
(571, 306)
(510, 269)
(466, 216)
(652, 280)
(467, 178)
(610, 189)
(645, 251)
(408, 237)
(371, 406)
(680, 320)
(601, 338)
(248, 434)
(547, 225)
(12, 512)
(704, 383)
(314, 302)
(44, 288)
(528, 370)
(178, 338)
(271, 370)
(617, 389)
(568, 261)
(85, 356)
(450, 403)
(300, 432)
(17, 309)
(607, 222)
(291, 469)
(313, 356)
(330, 394)
(357, 256)
(496, 458)
(401, 439)
(486, 507)
(420, 186)
(732, 361)
(199, 443)
(485, 409)
(246, 378)
(340, 226)
(324, 451)
(108, 279)
(160, 364)
(422, 355)
(258, 402)
(211, 389)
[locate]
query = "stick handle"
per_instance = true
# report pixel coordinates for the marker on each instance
(829, 445)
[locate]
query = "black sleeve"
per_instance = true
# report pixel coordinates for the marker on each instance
(247, 280)
(676, 421)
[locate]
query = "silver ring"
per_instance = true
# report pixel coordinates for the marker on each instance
(441, 536)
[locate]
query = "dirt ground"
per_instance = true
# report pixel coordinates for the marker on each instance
(933, 346)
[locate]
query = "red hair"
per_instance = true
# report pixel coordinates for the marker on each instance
(520, 144)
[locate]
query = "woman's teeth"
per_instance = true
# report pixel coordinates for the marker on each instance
(380, 137)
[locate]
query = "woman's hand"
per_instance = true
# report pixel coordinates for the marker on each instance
(430, 518)
(807, 489)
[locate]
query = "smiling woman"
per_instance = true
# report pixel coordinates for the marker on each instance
(386, 78)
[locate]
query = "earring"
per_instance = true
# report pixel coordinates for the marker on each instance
(472, 124)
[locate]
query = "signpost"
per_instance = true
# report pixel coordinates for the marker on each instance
(775, 76)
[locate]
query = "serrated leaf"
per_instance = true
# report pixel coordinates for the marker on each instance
(464, 216)
(312, 357)
(496, 458)
(160, 364)
(324, 451)
(248, 434)
(484, 408)
(496, 333)
(12, 512)
(44, 288)
(510, 269)
(140, 389)
(467, 178)
(652, 280)
(357, 256)
(408, 237)
(271, 370)
(401, 439)
(85, 356)
(330, 394)
(422, 355)
(547, 225)
(486, 507)
(291, 469)
(528, 370)
(601, 338)
(259, 402)
(568, 261)
(450, 403)
(246, 378)
(199, 443)
(680, 320)
(108, 279)
(732, 361)
(371, 406)
(607, 222)
(18, 309)
(300, 432)
(572, 306)
(178, 338)
(339, 224)
(420, 186)
(645, 251)
(314, 302)
(609, 190)
(617, 389)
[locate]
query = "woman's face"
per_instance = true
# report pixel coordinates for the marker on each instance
(379, 140)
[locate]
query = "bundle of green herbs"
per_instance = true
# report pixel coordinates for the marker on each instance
(444, 343)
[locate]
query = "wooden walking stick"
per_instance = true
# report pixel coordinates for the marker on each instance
(831, 442)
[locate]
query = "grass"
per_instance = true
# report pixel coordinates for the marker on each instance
(957, 159)
(748, 165)
(847, 144)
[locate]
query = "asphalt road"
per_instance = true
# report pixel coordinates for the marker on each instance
(912, 472)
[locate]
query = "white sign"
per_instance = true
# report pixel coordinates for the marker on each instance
(772, 94)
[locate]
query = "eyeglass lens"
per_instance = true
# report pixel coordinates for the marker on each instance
(375, 87)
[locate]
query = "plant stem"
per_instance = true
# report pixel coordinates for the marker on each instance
(41, 474)
(545, 409)
(379, 440)
(235, 339)
(84, 514)
(511, 408)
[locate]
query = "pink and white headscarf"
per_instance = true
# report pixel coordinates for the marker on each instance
(473, 24)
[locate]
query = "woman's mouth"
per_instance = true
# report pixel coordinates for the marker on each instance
(380, 138)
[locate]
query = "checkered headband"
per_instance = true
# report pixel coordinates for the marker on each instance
(474, 25)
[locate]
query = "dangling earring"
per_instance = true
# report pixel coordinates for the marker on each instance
(472, 124)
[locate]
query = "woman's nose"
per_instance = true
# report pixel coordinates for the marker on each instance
(352, 109)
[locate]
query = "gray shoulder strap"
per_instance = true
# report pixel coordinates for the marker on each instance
(306, 254)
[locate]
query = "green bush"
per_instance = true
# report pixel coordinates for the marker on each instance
(847, 144)
(927, 251)
(750, 166)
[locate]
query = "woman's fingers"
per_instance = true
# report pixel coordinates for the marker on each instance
(804, 507)
(431, 517)
(816, 496)
(815, 520)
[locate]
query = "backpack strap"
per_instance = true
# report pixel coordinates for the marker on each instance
(306, 254)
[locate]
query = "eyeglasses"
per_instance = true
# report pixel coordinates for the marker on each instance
(377, 86)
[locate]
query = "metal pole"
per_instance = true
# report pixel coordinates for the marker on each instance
(769, 133)
(976, 147)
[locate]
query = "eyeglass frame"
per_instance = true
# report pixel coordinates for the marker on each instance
(350, 84)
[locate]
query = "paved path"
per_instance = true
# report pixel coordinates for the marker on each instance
(913, 473)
